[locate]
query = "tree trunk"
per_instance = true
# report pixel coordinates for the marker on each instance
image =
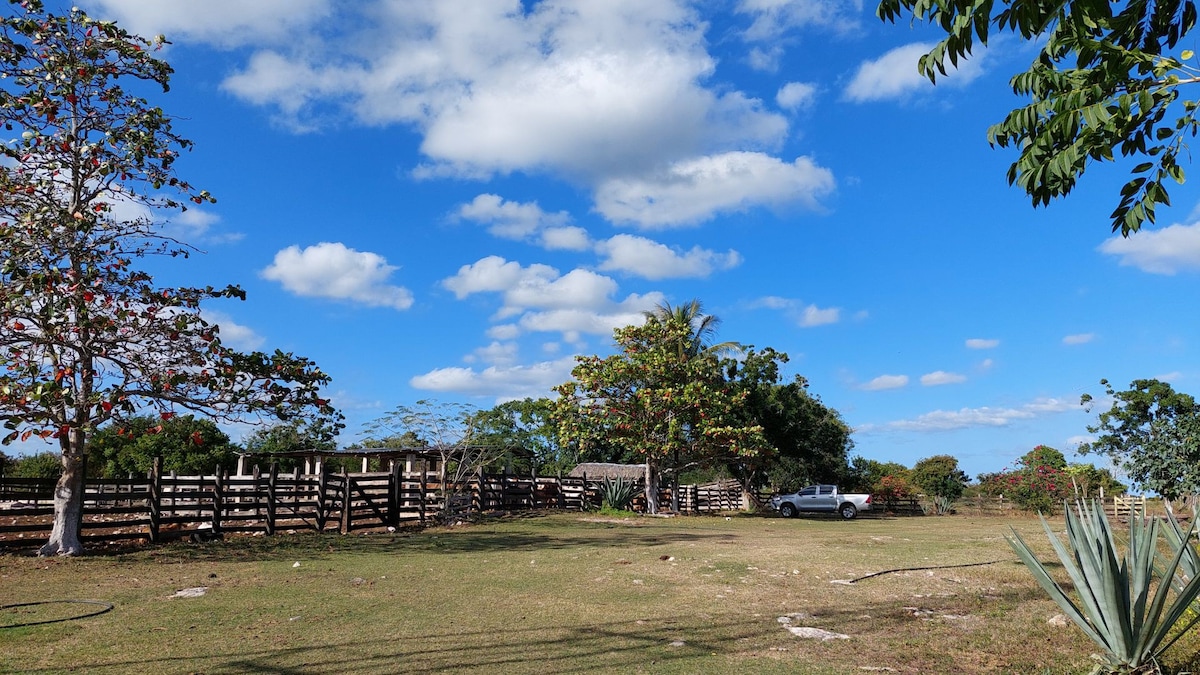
(68, 501)
(651, 488)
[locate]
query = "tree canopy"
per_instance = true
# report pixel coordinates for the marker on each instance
(85, 334)
(187, 444)
(659, 398)
(1105, 83)
(1152, 433)
(939, 476)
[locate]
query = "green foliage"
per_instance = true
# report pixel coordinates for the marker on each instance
(617, 494)
(41, 465)
(866, 474)
(1152, 432)
(1043, 455)
(1127, 603)
(657, 399)
(939, 476)
(188, 446)
(811, 441)
(1088, 481)
(1106, 82)
(528, 433)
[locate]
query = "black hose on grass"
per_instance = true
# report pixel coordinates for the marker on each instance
(931, 567)
(104, 607)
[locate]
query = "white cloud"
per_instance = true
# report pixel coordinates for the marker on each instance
(234, 334)
(766, 60)
(1173, 377)
(772, 18)
(1079, 339)
(886, 382)
(652, 260)
(504, 331)
(940, 377)
(222, 22)
(497, 353)
(503, 383)
(894, 75)
(694, 190)
(510, 220)
(796, 95)
(986, 364)
(1167, 251)
(982, 343)
(814, 316)
(579, 301)
(807, 316)
(965, 418)
(587, 88)
(331, 270)
(569, 238)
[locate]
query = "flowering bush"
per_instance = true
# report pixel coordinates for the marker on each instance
(890, 489)
(1034, 488)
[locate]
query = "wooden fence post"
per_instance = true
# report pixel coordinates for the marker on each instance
(395, 485)
(218, 501)
(271, 497)
(322, 504)
(155, 498)
(421, 494)
(562, 492)
(347, 500)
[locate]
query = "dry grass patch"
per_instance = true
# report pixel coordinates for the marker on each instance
(557, 594)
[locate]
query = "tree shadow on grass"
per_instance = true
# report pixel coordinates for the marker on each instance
(665, 642)
(478, 539)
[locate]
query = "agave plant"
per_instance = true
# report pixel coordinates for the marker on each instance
(617, 493)
(1126, 603)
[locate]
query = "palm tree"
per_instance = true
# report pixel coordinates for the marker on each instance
(703, 328)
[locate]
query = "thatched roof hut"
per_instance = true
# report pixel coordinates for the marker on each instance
(602, 470)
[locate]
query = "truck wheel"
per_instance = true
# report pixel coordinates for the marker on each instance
(787, 510)
(848, 511)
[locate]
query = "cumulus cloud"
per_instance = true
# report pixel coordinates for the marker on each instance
(225, 23)
(544, 300)
(982, 343)
(331, 270)
(1167, 251)
(940, 377)
(965, 418)
(586, 88)
(652, 260)
(806, 315)
(568, 238)
(510, 220)
(886, 382)
(894, 75)
(693, 190)
(1078, 339)
(504, 383)
(796, 95)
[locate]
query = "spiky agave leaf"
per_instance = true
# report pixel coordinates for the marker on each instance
(1128, 603)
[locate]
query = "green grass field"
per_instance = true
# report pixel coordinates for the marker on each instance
(552, 594)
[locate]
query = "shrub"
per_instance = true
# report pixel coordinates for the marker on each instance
(617, 494)
(1034, 488)
(42, 465)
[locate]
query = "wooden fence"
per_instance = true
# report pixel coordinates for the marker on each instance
(166, 506)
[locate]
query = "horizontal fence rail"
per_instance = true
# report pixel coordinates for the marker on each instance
(165, 506)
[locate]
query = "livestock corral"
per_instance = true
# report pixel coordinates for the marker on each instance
(165, 506)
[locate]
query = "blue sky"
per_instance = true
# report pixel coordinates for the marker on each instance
(451, 198)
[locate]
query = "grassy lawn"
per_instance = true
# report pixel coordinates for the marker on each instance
(554, 593)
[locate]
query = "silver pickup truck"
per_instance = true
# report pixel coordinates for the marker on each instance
(821, 499)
